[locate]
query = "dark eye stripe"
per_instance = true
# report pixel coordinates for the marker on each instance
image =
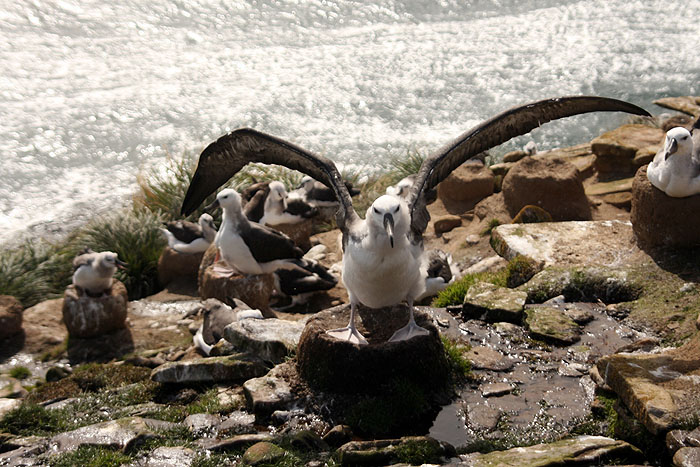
(376, 210)
(397, 209)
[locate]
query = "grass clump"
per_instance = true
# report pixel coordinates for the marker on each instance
(454, 351)
(94, 456)
(31, 419)
(134, 236)
(419, 452)
(20, 372)
(520, 270)
(493, 223)
(454, 293)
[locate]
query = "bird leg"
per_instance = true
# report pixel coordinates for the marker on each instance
(410, 330)
(349, 333)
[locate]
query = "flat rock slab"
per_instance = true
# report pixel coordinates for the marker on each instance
(551, 325)
(582, 450)
(660, 389)
(486, 358)
(117, 434)
(233, 368)
(266, 394)
(687, 457)
(270, 339)
(340, 366)
(389, 451)
(233, 443)
(685, 104)
(492, 303)
(168, 456)
(576, 243)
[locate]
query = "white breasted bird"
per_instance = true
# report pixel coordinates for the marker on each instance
(93, 271)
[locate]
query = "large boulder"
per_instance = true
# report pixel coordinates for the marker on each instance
(175, 265)
(551, 184)
(471, 181)
(86, 316)
(270, 339)
(661, 220)
(339, 366)
(624, 149)
(10, 316)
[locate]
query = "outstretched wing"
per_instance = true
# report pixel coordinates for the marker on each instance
(497, 130)
(223, 158)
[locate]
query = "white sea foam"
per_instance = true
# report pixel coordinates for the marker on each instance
(91, 92)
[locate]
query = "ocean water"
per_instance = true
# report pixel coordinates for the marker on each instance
(93, 93)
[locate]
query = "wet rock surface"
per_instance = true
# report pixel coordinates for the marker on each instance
(233, 368)
(491, 303)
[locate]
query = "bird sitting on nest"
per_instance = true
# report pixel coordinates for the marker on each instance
(675, 169)
(403, 188)
(302, 283)
(319, 195)
(268, 203)
(438, 271)
(93, 271)
(188, 237)
(248, 247)
(382, 253)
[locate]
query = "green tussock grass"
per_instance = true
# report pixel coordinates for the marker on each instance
(94, 456)
(454, 293)
(493, 223)
(460, 366)
(20, 372)
(134, 236)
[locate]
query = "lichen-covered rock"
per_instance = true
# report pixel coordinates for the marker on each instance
(413, 450)
(122, 434)
(175, 265)
(233, 368)
(589, 243)
(263, 453)
(686, 104)
(335, 365)
(616, 150)
(165, 456)
(580, 450)
(551, 184)
(687, 457)
(255, 291)
(492, 303)
(660, 389)
(470, 181)
(660, 220)
(10, 316)
(86, 316)
(270, 339)
(233, 443)
(552, 325)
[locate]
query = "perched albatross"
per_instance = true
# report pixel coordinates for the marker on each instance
(675, 169)
(94, 271)
(319, 195)
(248, 247)
(383, 253)
(188, 237)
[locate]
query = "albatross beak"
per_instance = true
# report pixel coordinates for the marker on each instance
(389, 227)
(212, 206)
(121, 264)
(671, 149)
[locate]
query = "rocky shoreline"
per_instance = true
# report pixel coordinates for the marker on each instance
(591, 355)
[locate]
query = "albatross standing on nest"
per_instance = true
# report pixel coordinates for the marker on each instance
(383, 253)
(675, 169)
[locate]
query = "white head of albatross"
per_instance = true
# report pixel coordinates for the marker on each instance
(675, 170)
(374, 273)
(94, 271)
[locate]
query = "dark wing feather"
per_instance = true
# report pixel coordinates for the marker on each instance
(254, 209)
(497, 130)
(223, 158)
(83, 259)
(185, 231)
(268, 244)
(299, 207)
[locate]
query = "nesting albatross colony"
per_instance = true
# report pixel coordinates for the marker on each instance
(541, 310)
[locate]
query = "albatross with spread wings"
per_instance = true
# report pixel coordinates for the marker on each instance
(383, 253)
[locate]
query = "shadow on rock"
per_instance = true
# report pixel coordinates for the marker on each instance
(11, 345)
(101, 348)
